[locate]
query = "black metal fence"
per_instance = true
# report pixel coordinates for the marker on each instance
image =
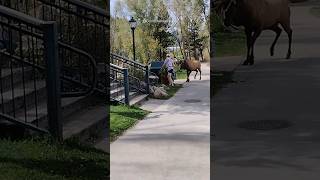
(28, 72)
(80, 25)
(62, 55)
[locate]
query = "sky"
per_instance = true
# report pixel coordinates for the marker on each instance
(112, 4)
(112, 7)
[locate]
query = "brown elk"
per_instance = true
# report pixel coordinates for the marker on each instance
(191, 65)
(256, 16)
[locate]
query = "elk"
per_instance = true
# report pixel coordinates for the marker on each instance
(191, 65)
(257, 16)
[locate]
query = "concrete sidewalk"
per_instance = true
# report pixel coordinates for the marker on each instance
(172, 143)
(273, 89)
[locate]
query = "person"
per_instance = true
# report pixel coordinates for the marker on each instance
(168, 63)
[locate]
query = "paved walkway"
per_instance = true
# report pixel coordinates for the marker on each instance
(273, 89)
(172, 143)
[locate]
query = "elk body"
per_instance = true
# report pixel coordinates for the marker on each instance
(191, 65)
(256, 16)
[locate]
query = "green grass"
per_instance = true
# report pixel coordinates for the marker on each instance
(230, 44)
(172, 90)
(181, 73)
(220, 79)
(122, 118)
(42, 159)
(315, 11)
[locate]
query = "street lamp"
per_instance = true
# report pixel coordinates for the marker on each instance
(133, 25)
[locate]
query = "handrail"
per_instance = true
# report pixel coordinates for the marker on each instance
(125, 80)
(7, 12)
(42, 68)
(116, 67)
(94, 68)
(127, 60)
(81, 4)
(86, 5)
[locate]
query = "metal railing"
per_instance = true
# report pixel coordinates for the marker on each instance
(36, 68)
(80, 25)
(119, 84)
(138, 73)
(29, 72)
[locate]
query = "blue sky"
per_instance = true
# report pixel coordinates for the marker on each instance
(112, 4)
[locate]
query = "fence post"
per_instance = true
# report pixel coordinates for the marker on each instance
(147, 79)
(53, 79)
(126, 86)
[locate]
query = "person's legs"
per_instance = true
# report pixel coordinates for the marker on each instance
(170, 78)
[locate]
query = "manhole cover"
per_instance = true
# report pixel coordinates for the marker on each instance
(192, 100)
(265, 124)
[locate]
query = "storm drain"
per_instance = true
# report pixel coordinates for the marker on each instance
(265, 124)
(192, 100)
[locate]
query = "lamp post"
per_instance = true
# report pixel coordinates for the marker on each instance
(133, 25)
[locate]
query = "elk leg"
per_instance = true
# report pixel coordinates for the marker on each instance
(278, 31)
(290, 42)
(256, 34)
(188, 74)
(196, 74)
(287, 28)
(200, 74)
(249, 37)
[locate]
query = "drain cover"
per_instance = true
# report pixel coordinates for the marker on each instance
(265, 124)
(192, 100)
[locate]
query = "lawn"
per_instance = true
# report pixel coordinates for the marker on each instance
(124, 117)
(230, 44)
(172, 90)
(181, 73)
(315, 11)
(42, 159)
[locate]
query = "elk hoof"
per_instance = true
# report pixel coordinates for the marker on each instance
(246, 62)
(288, 56)
(251, 63)
(271, 53)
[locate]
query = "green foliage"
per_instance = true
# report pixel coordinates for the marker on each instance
(181, 74)
(216, 23)
(158, 21)
(230, 44)
(192, 22)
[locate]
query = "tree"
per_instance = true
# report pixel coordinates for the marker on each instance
(155, 19)
(192, 21)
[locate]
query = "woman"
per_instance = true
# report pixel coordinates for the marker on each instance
(168, 63)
